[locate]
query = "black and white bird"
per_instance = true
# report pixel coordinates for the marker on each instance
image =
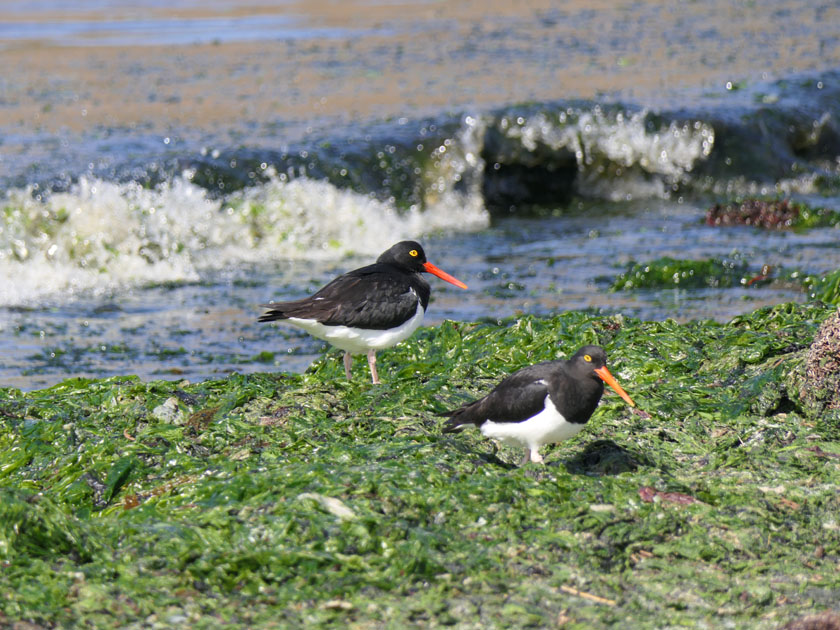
(367, 309)
(541, 404)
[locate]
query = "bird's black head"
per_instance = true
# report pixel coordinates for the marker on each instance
(406, 254)
(592, 361)
(409, 255)
(588, 359)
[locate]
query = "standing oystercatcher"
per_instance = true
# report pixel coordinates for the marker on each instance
(541, 404)
(369, 308)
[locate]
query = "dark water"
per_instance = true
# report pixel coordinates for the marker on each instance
(152, 260)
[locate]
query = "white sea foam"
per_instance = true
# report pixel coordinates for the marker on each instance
(101, 235)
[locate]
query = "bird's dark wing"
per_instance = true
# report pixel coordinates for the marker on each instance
(517, 398)
(372, 297)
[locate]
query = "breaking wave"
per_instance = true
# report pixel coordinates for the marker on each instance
(100, 235)
(169, 218)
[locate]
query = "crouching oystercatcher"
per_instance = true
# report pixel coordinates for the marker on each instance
(367, 309)
(541, 404)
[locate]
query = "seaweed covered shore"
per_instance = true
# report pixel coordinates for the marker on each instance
(278, 500)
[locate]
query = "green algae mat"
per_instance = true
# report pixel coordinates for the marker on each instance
(289, 501)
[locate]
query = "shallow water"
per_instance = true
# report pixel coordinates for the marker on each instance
(158, 187)
(198, 330)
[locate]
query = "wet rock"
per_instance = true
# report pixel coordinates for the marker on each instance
(821, 390)
(169, 412)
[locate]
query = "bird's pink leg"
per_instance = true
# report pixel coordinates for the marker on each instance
(371, 356)
(531, 455)
(348, 361)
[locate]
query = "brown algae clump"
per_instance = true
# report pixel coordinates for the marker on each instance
(822, 366)
(776, 214)
(824, 621)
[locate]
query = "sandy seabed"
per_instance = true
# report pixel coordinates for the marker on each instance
(345, 62)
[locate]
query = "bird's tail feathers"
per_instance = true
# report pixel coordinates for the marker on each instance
(271, 316)
(280, 310)
(452, 427)
(455, 424)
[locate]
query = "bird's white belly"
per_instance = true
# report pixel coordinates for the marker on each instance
(360, 340)
(546, 427)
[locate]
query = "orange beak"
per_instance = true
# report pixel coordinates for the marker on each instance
(440, 273)
(605, 375)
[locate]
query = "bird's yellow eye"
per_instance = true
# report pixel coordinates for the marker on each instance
(413, 253)
(587, 358)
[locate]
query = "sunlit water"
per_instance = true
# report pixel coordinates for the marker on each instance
(207, 328)
(152, 200)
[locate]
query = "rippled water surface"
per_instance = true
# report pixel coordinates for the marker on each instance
(199, 329)
(167, 167)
